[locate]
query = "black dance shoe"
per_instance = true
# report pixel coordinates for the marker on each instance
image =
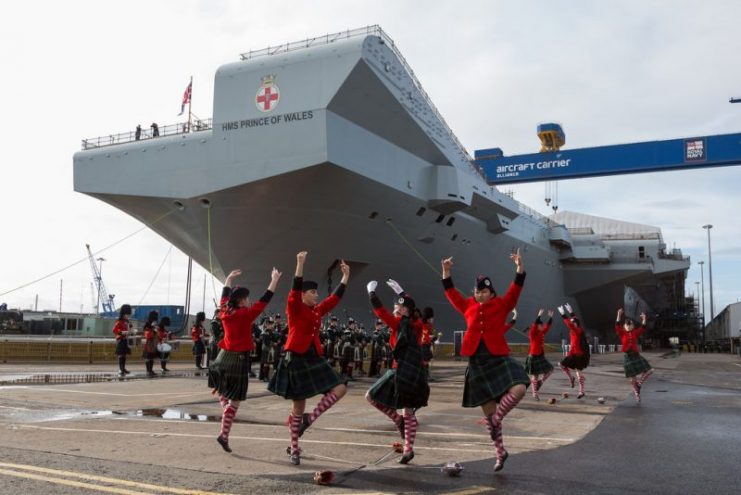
(407, 457)
(500, 462)
(305, 423)
(224, 443)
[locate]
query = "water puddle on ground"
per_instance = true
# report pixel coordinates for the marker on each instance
(166, 414)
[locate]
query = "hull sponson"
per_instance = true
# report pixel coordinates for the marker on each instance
(352, 137)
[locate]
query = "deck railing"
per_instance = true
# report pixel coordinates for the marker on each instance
(196, 125)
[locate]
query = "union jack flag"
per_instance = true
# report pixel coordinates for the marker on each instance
(186, 97)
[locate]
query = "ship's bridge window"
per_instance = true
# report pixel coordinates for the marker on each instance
(440, 218)
(450, 221)
(421, 211)
(641, 252)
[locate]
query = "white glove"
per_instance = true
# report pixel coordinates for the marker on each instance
(394, 286)
(561, 311)
(568, 308)
(371, 286)
(514, 314)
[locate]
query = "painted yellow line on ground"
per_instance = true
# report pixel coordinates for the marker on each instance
(472, 491)
(346, 430)
(113, 481)
(76, 484)
(261, 439)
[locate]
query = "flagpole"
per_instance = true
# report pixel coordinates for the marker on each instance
(190, 103)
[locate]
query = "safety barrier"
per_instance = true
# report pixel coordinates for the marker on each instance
(84, 351)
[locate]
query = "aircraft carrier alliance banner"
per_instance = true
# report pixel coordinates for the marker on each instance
(650, 156)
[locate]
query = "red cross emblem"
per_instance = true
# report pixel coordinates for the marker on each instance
(268, 95)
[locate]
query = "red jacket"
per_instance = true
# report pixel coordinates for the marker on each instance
(196, 333)
(575, 333)
(485, 320)
(392, 322)
(427, 330)
(237, 322)
(120, 329)
(537, 336)
(162, 334)
(305, 322)
(629, 340)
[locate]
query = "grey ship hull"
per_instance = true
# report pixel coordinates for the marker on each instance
(354, 162)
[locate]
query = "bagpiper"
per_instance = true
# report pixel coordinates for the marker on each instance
(303, 372)
(494, 380)
(121, 331)
(405, 385)
(197, 334)
(229, 373)
(633, 363)
(536, 365)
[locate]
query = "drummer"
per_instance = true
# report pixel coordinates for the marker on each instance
(163, 348)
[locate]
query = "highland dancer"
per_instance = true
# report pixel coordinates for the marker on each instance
(633, 363)
(578, 356)
(303, 372)
(494, 380)
(405, 386)
(229, 373)
(536, 365)
(121, 330)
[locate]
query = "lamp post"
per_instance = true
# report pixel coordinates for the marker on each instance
(710, 272)
(100, 280)
(702, 293)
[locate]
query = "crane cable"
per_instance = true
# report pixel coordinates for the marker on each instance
(86, 258)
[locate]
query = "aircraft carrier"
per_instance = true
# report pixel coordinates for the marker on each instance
(331, 145)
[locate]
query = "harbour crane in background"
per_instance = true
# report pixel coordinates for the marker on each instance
(103, 297)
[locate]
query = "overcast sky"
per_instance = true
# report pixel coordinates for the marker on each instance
(609, 72)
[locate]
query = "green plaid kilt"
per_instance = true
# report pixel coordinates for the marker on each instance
(300, 376)
(198, 348)
(122, 347)
(489, 377)
(576, 361)
(229, 374)
(537, 365)
(634, 364)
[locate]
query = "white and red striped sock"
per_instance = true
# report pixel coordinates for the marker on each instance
(495, 431)
(506, 404)
(223, 401)
(645, 376)
(636, 388)
(227, 419)
(581, 383)
(327, 401)
(294, 426)
(391, 413)
(568, 374)
(534, 386)
(410, 430)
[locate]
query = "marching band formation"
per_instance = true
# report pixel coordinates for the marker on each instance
(311, 355)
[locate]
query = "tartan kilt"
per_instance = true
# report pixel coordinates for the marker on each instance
(198, 348)
(213, 350)
(634, 364)
(300, 376)
(537, 365)
(489, 377)
(427, 352)
(122, 347)
(384, 390)
(576, 361)
(229, 374)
